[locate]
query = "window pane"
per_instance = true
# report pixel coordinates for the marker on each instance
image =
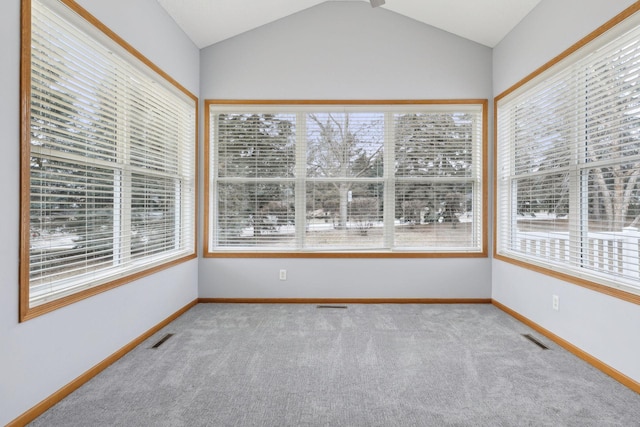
(255, 145)
(542, 217)
(256, 214)
(344, 215)
(544, 128)
(614, 197)
(152, 135)
(612, 240)
(153, 215)
(611, 98)
(71, 220)
(345, 145)
(432, 215)
(542, 196)
(72, 86)
(434, 144)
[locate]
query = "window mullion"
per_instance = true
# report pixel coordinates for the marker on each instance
(389, 180)
(300, 179)
(122, 233)
(578, 181)
(213, 180)
(477, 177)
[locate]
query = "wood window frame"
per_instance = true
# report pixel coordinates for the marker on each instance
(520, 262)
(209, 253)
(26, 311)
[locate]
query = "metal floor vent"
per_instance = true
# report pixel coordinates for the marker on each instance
(162, 341)
(535, 341)
(331, 306)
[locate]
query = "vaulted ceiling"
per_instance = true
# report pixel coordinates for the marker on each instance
(484, 21)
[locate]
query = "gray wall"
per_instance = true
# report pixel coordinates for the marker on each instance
(346, 50)
(603, 326)
(42, 355)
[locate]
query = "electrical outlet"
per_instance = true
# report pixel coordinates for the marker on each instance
(283, 274)
(555, 302)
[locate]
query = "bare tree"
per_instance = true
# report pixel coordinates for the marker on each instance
(345, 146)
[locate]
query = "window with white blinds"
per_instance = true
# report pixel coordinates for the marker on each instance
(568, 164)
(345, 178)
(108, 161)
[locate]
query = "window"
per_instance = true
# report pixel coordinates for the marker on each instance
(322, 179)
(568, 163)
(108, 161)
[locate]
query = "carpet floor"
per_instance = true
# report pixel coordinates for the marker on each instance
(363, 365)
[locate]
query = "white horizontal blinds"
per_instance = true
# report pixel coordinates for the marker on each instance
(612, 110)
(71, 222)
(72, 175)
(161, 134)
(437, 161)
(255, 145)
(544, 126)
(344, 184)
(435, 216)
(254, 161)
(112, 159)
(255, 214)
(154, 215)
(156, 123)
(612, 143)
(569, 161)
(346, 178)
(344, 215)
(435, 144)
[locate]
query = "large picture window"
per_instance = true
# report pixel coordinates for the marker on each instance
(312, 179)
(568, 164)
(108, 161)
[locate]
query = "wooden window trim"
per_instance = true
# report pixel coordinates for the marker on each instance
(207, 253)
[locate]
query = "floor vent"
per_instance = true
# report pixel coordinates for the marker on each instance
(535, 341)
(331, 306)
(162, 340)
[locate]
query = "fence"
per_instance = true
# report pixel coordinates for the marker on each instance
(614, 253)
